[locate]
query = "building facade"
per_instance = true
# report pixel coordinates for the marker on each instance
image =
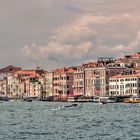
(63, 83)
(79, 81)
(125, 85)
(49, 84)
(97, 79)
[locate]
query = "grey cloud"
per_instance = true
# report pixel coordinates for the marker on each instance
(66, 32)
(87, 38)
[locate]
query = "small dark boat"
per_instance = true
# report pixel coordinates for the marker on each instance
(4, 98)
(28, 100)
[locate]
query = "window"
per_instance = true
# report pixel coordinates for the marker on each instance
(81, 83)
(56, 91)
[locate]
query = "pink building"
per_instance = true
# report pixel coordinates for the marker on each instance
(79, 81)
(79, 78)
(63, 83)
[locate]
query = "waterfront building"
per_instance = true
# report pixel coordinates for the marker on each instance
(49, 84)
(23, 83)
(132, 60)
(12, 85)
(79, 81)
(35, 87)
(63, 83)
(3, 87)
(30, 87)
(125, 85)
(9, 69)
(97, 79)
(79, 78)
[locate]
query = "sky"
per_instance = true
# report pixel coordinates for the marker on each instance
(57, 33)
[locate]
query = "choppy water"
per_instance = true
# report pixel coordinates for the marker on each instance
(37, 121)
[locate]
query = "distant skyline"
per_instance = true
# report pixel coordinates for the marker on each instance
(52, 33)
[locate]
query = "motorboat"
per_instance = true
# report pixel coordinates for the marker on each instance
(132, 100)
(102, 103)
(110, 101)
(5, 98)
(104, 99)
(71, 106)
(28, 100)
(96, 99)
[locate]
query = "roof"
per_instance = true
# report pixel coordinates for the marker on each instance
(136, 55)
(90, 64)
(35, 75)
(64, 70)
(126, 76)
(25, 72)
(9, 68)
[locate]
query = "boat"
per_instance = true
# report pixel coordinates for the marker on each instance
(111, 101)
(96, 99)
(104, 99)
(71, 106)
(132, 100)
(5, 98)
(102, 103)
(28, 100)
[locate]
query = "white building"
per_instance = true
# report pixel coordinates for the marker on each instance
(12, 83)
(49, 84)
(35, 90)
(122, 85)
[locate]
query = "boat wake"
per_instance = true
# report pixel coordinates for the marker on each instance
(68, 107)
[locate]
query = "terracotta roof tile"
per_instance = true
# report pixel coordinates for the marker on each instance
(25, 72)
(126, 76)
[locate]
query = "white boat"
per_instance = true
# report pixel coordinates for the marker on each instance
(71, 106)
(96, 99)
(110, 101)
(102, 103)
(107, 99)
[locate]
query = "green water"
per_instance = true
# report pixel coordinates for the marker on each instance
(38, 121)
